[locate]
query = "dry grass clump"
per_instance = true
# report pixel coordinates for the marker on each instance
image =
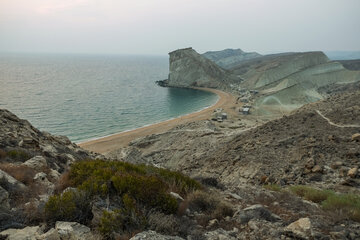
(21, 173)
(2, 154)
(162, 223)
(273, 187)
(209, 204)
(311, 194)
(63, 182)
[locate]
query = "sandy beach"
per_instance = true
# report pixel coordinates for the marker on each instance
(116, 141)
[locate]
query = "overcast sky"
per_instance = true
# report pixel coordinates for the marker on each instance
(160, 26)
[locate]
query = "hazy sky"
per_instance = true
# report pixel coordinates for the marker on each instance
(160, 26)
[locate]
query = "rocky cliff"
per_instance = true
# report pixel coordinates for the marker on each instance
(190, 69)
(230, 58)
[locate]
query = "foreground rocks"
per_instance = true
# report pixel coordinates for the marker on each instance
(62, 231)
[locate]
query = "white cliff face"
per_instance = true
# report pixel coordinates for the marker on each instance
(190, 69)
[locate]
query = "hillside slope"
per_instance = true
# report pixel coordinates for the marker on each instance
(228, 58)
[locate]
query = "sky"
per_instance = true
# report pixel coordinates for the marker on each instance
(156, 27)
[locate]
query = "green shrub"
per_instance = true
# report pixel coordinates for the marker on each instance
(181, 183)
(136, 189)
(311, 194)
(69, 206)
(147, 190)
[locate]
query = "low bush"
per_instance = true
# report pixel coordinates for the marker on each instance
(207, 203)
(134, 190)
(69, 206)
(126, 220)
(163, 223)
(147, 190)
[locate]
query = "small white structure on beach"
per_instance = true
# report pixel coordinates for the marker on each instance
(246, 111)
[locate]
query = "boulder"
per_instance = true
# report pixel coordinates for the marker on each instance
(37, 163)
(355, 137)
(336, 165)
(73, 230)
(177, 197)
(12, 181)
(28, 233)
(352, 172)
(152, 235)
(301, 228)
(257, 211)
(221, 234)
(52, 234)
(317, 169)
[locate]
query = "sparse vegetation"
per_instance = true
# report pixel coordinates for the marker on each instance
(346, 205)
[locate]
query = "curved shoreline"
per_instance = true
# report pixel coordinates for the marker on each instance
(122, 139)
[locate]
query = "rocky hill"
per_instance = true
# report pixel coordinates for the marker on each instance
(353, 65)
(31, 163)
(282, 82)
(229, 58)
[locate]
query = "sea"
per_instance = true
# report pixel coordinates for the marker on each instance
(86, 97)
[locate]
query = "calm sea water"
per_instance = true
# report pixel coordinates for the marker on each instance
(90, 96)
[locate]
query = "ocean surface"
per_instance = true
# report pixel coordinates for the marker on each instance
(90, 96)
